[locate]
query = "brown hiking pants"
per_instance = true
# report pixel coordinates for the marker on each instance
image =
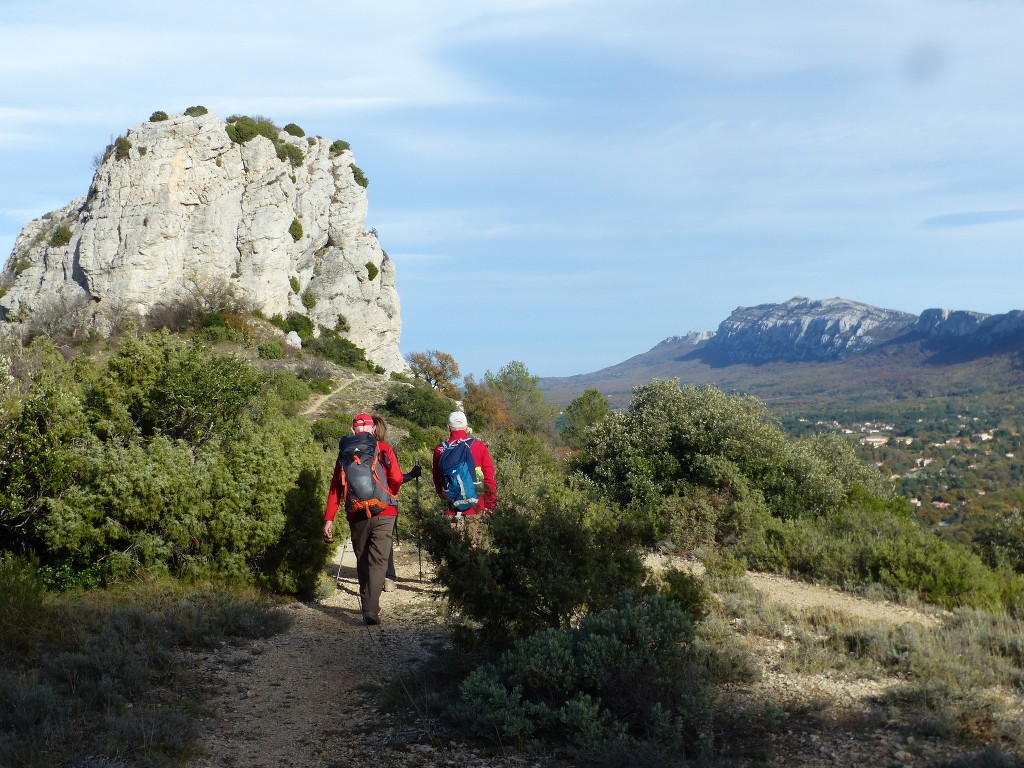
(371, 542)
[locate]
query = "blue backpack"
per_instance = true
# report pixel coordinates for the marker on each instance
(459, 470)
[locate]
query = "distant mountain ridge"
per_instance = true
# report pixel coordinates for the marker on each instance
(772, 349)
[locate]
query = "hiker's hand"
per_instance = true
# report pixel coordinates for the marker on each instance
(329, 530)
(414, 472)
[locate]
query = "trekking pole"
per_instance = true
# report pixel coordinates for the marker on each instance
(337, 581)
(419, 517)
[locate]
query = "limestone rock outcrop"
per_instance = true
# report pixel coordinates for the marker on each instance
(807, 329)
(177, 208)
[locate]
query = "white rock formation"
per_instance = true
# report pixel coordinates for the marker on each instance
(184, 209)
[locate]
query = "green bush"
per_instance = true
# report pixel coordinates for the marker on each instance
(294, 130)
(196, 111)
(122, 147)
(419, 405)
(551, 553)
(371, 270)
(158, 116)
(308, 298)
(164, 457)
(270, 350)
(338, 147)
(627, 680)
(673, 439)
(288, 386)
(293, 281)
(1001, 541)
(21, 606)
(295, 230)
(330, 429)
(301, 324)
(241, 129)
(333, 347)
(360, 177)
(290, 152)
(342, 325)
(871, 541)
(60, 236)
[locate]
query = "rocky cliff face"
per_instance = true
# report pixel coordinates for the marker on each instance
(178, 208)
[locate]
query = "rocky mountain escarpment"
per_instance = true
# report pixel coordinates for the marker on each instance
(192, 206)
(759, 349)
(833, 329)
(806, 329)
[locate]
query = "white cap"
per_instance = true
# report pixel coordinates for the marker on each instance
(457, 420)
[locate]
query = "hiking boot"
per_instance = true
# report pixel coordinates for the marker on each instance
(390, 585)
(371, 619)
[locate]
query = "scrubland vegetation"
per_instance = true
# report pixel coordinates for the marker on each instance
(156, 494)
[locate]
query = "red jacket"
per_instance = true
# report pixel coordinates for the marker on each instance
(482, 458)
(386, 456)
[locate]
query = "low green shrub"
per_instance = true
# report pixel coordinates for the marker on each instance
(330, 346)
(371, 270)
(339, 146)
(164, 457)
(158, 116)
(21, 606)
(294, 130)
(871, 541)
(419, 405)
(330, 429)
(360, 177)
(293, 154)
(625, 681)
(297, 322)
(60, 236)
(308, 298)
(241, 129)
(288, 386)
(270, 350)
(550, 553)
(295, 230)
(293, 281)
(21, 263)
(122, 147)
(101, 674)
(196, 111)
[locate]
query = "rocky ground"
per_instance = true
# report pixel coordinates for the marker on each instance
(310, 696)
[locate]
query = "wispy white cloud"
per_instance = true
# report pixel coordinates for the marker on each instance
(972, 219)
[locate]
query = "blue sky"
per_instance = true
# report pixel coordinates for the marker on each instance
(568, 182)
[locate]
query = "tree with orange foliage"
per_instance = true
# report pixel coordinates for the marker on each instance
(438, 369)
(486, 407)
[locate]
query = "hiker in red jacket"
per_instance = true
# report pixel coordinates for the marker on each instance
(487, 493)
(372, 532)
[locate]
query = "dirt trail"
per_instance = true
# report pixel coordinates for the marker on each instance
(315, 408)
(307, 697)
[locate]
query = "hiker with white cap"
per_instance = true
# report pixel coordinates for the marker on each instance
(463, 475)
